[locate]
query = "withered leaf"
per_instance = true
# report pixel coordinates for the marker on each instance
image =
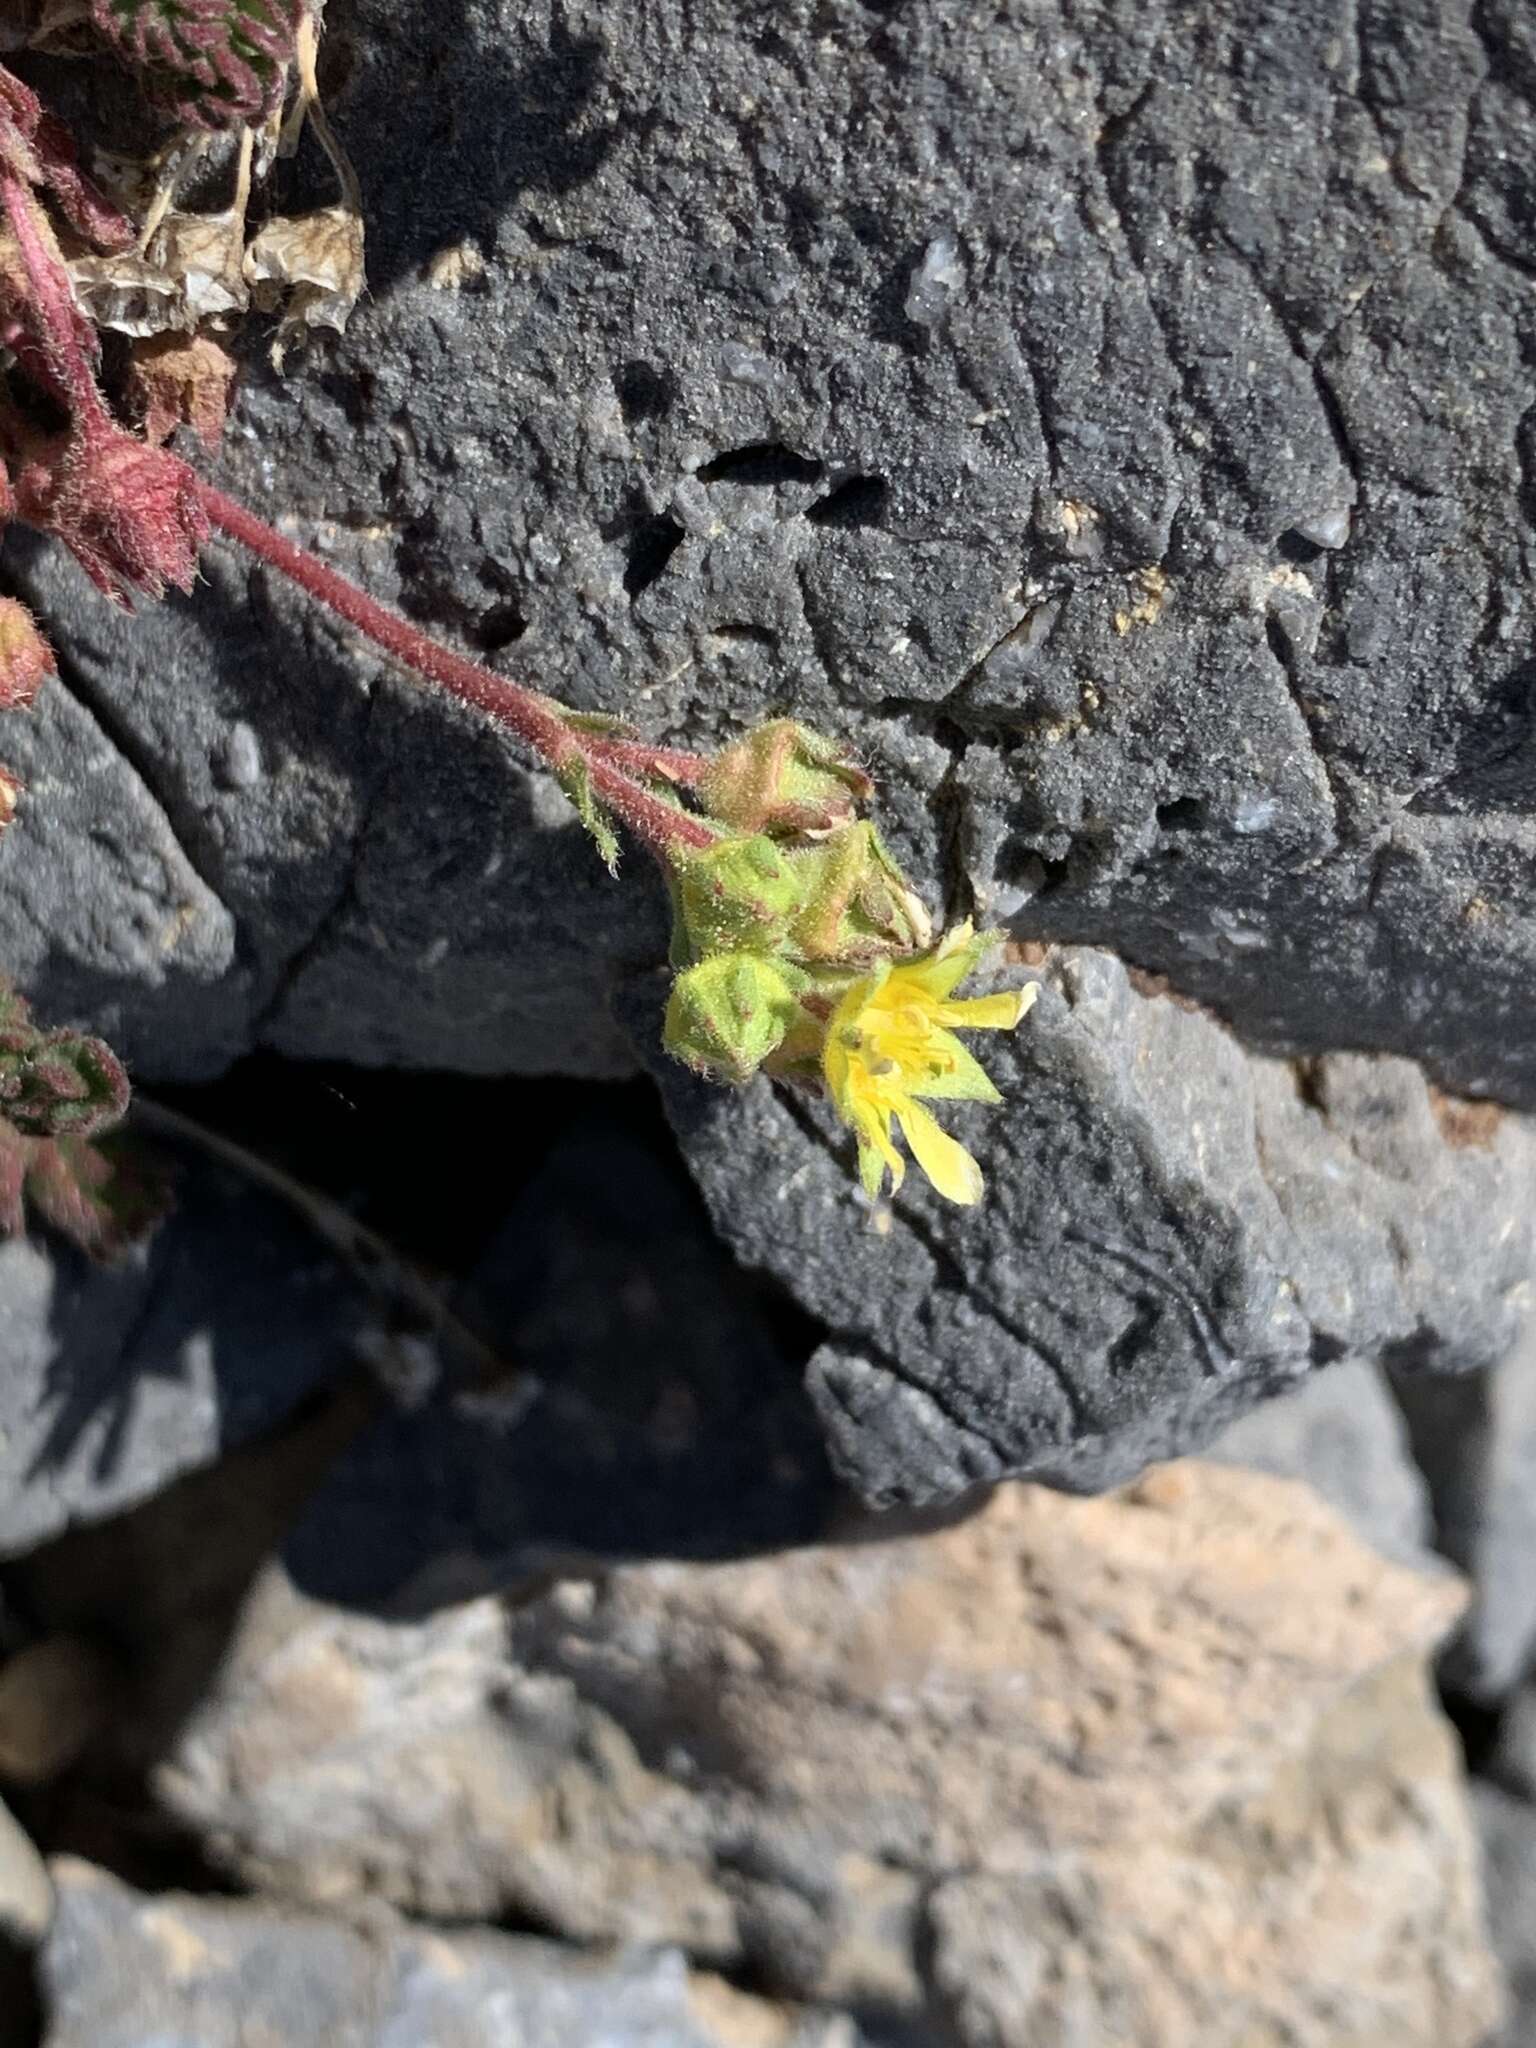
(127, 294)
(182, 380)
(205, 253)
(314, 261)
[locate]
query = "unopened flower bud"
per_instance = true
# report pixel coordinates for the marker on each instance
(739, 894)
(10, 796)
(858, 905)
(130, 515)
(728, 1013)
(25, 656)
(782, 777)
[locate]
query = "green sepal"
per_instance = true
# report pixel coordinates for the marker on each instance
(857, 904)
(729, 1013)
(783, 777)
(739, 895)
(574, 777)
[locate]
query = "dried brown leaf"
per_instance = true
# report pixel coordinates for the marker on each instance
(312, 265)
(182, 380)
(204, 253)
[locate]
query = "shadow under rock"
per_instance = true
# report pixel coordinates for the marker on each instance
(447, 123)
(116, 1379)
(157, 1592)
(672, 1418)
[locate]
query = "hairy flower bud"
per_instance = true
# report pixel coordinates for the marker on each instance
(728, 1013)
(56, 1083)
(739, 894)
(131, 515)
(25, 656)
(783, 777)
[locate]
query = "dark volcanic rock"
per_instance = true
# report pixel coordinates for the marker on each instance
(669, 1417)
(1173, 1229)
(1121, 432)
(1341, 1432)
(1475, 1440)
(1119, 428)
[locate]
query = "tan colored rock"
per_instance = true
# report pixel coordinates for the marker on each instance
(1093, 1732)
(1054, 1670)
(1336, 1910)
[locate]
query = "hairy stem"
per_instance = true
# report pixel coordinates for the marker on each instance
(51, 299)
(673, 762)
(611, 766)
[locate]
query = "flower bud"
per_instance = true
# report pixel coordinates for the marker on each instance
(739, 894)
(858, 905)
(10, 796)
(782, 777)
(728, 1013)
(55, 1083)
(131, 515)
(25, 656)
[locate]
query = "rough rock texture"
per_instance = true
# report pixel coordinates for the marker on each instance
(1507, 1826)
(125, 1971)
(876, 1773)
(1121, 430)
(114, 1380)
(1343, 1434)
(1172, 1229)
(1475, 1440)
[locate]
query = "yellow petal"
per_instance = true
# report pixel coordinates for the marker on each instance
(989, 1013)
(940, 972)
(944, 1159)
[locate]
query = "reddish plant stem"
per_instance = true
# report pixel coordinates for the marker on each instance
(532, 717)
(57, 333)
(676, 765)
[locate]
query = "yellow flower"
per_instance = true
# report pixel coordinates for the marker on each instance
(889, 1042)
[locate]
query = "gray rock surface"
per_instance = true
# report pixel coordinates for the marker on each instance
(1511, 1763)
(126, 1971)
(1343, 1434)
(116, 1380)
(1173, 1229)
(870, 1773)
(1475, 1441)
(1121, 432)
(1507, 1827)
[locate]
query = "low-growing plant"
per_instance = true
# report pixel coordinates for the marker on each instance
(799, 948)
